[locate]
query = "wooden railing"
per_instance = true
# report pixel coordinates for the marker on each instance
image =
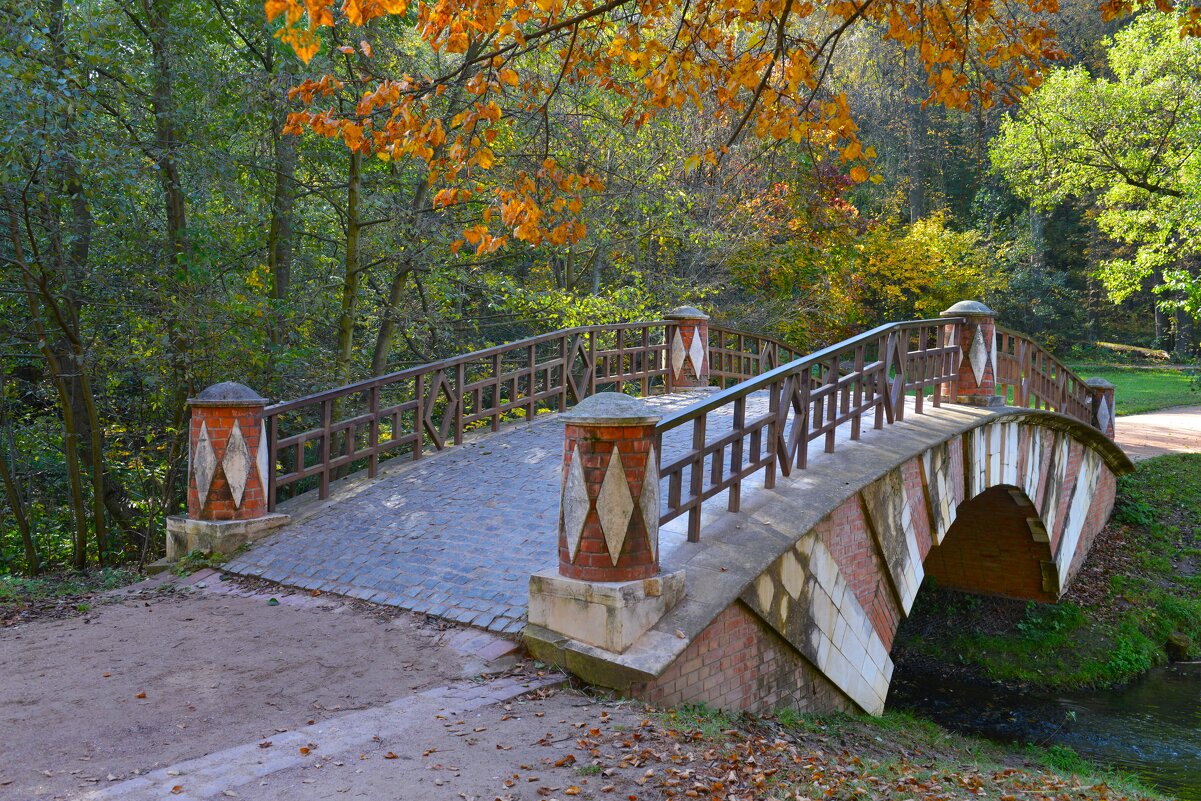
(807, 400)
(1028, 376)
(735, 356)
(316, 439)
(321, 437)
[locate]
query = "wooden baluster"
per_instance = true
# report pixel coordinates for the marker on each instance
(879, 392)
(773, 431)
(832, 402)
(496, 393)
(621, 361)
(459, 400)
(272, 438)
(940, 365)
(858, 413)
(532, 378)
(590, 383)
(697, 478)
(736, 453)
(564, 349)
(645, 357)
(919, 370)
(806, 423)
(373, 445)
(669, 332)
(326, 414)
(419, 416)
(898, 391)
(742, 362)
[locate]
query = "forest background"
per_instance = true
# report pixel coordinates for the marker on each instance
(176, 213)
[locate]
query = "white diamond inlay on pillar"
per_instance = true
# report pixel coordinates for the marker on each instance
(614, 506)
(1103, 415)
(648, 501)
(236, 464)
(204, 463)
(575, 503)
(978, 356)
(696, 352)
(262, 461)
(677, 354)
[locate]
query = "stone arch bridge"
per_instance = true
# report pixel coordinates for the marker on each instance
(748, 532)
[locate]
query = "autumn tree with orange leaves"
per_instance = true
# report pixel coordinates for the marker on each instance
(757, 68)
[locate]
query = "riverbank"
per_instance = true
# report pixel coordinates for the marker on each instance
(1135, 604)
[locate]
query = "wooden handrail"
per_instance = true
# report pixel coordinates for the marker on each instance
(1029, 376)
(443, 399)
(809, 398)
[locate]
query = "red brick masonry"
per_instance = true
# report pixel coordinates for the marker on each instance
(593, 561)
(219, 503)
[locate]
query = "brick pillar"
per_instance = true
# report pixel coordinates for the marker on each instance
(1100, 394)
(609, 526)
(227, 474)
(607, 591)
(688, 338)
(227, 454)
(976, 384)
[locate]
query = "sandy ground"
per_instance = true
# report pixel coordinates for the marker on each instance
(1175, 430)
(163, 676)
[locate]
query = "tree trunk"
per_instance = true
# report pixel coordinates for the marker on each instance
(1183, 349)
(1038, 241)
(917, 91)
(387, 328)
(165, 153)
(350, 283)
(15, 502)
(79, 553)
(279, 236)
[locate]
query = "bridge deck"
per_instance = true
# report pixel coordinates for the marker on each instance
(457, 535)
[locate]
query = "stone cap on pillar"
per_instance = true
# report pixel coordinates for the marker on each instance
(228, 393)
(968, 308)
(610, 409)
(686, 313)
(1098, 383)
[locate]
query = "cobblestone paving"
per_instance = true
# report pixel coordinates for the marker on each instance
(455, 535)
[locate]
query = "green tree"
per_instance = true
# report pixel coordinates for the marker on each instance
(1126, 140)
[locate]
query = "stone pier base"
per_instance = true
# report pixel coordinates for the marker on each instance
(611, 615)
(185, 535)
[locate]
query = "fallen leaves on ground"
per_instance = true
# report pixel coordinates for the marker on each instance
(758, 758)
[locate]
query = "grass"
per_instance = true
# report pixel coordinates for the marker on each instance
(1138, 389)
(894, 756)
(1140, 589)
(199, 560)
(53, 586)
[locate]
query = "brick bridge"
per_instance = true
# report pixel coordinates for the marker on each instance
(748, 532)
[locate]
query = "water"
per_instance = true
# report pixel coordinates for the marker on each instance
(1151, 727)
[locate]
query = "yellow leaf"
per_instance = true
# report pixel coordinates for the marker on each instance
(859, 174)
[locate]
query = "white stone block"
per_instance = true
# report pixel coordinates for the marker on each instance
(608, 615)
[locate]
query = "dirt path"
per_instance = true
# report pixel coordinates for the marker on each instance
(1176, 430)
(173, 673)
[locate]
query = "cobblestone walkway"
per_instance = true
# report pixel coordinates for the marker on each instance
(455, 535)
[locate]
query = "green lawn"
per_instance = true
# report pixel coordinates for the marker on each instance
(1140, 590)
(1144, 389)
